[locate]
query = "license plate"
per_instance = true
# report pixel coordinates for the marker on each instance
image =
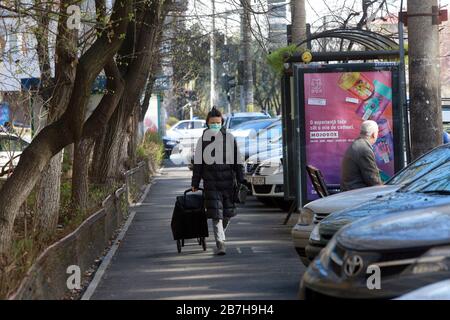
(258, 180)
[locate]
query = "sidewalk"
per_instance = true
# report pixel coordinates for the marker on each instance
(261, 262)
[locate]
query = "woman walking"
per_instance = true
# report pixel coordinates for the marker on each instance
(217, 162)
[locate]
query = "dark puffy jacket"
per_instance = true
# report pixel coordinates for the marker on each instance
(218, 177)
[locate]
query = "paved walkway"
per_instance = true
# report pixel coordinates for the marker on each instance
(261, 262)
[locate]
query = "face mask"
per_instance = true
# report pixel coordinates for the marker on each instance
(215, 127)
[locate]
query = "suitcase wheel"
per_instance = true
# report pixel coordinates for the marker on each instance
(179, 246)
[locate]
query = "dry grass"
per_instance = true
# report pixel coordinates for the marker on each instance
(26, 248)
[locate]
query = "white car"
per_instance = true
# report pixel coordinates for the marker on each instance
(267, 180)
(435, 291)
(11, 147)
(186, 129)
(252, 163)
(315, 211)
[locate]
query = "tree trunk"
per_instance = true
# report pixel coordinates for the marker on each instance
(64, 131)
(134, 136)
(80, 179)
(48, 199)
(424, 74)
(109, 160)
(48, 192)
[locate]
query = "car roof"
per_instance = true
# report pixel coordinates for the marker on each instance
(248, 123)
(194, 120)
(247, 114)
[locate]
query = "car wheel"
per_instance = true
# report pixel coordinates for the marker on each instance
(268, 201)
(305, 261)
(284, 205)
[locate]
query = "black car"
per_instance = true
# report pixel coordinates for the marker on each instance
(169, 144)
(383, 257)
(412, 196)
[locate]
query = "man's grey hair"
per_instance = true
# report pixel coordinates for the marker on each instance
(368, 128)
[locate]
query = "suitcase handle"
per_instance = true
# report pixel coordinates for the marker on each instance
(190, 190)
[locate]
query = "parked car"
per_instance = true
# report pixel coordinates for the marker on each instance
(249, 129)
(383, 256)
(267, 182)
(186, 129)
(252, 163)
(233, 120)
(11, 147)
(169, 144)
(315, 211)
(249, 132)
(435, 291)
(265, 140)
(432, 189)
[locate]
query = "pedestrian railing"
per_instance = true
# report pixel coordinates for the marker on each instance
(135, 180)
(50, 275)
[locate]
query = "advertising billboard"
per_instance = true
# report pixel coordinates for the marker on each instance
(334, 100)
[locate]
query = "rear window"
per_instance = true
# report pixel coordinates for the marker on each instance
(199, 125)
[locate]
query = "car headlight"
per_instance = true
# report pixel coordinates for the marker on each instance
(247, 164)
(306, 217)
(325, 254)
(315, 234)
(172, 142)
(279, 169)
(435, 260)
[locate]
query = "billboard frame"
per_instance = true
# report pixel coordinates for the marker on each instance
(400, 124)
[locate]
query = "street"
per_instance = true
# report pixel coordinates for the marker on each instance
(260, 263)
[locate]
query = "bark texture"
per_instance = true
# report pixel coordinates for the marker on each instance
(424, 74)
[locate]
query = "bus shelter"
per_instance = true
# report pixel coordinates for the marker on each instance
(325, 98)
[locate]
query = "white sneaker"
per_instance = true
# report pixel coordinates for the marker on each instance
(221, 249)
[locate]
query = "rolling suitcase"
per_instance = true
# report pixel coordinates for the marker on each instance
(189, 220)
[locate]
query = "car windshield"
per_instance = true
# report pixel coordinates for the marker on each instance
(436, 181)
(236, 121)
(421, 166)
(255, 125)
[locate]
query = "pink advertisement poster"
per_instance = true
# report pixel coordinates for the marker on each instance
(335, 106)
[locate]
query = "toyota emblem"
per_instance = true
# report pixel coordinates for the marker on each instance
(353, 266)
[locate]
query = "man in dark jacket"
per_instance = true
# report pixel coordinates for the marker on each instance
(359, 168)
(218, 163)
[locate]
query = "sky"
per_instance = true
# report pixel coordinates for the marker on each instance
(200, 11)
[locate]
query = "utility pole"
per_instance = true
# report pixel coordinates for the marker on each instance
(246, 58)
(424, 76)
(227, 64)
(241, 67)
(212, 53)
(298, 21)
